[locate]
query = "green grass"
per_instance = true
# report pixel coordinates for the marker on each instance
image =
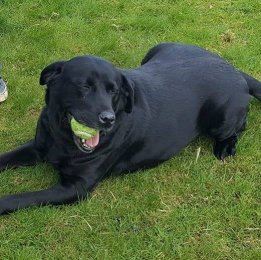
(182, 209)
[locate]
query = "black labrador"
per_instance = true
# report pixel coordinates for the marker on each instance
(144, 117)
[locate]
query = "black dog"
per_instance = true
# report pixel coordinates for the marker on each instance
(144, 116)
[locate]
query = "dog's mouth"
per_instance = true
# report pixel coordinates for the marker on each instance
(87, 145)
(85, 138)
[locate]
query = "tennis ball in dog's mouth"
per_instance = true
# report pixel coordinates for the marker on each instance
(82, 131)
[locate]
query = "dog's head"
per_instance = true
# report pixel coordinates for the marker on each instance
(90, 90)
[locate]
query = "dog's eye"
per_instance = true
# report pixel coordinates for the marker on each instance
(86, 88)
(114, 91)
(111, 88)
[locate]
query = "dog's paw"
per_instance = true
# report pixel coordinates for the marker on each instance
(225, 149)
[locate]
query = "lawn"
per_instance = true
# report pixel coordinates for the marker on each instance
(183, 209)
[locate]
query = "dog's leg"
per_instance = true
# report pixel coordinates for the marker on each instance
(227, 147)
(23, 156)
(68, 191)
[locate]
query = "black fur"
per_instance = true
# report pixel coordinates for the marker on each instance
(179, 92)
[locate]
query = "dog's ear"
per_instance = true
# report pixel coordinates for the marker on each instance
(128, 91)
(51, 72)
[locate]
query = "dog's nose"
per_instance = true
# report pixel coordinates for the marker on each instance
(107, 118)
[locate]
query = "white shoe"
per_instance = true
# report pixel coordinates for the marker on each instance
(3, 90)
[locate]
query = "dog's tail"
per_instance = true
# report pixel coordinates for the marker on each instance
(253, 84)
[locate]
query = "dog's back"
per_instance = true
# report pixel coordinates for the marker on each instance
(183, 86)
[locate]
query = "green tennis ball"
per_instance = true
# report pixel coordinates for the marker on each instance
(82, 131)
